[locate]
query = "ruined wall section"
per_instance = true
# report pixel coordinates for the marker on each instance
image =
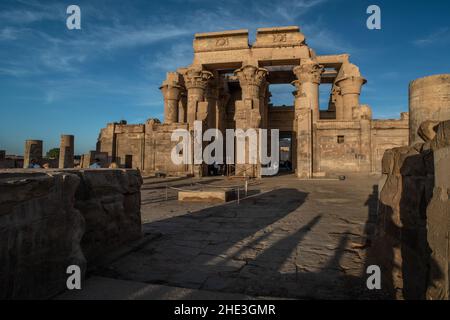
(337, 146)
(387, 134)
(158, 148)
(40, 233)
(411, 243)
(429, 99)
(50, 219)
(129, 141)
(438, 217)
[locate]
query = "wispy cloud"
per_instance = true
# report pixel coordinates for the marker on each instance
(179, 55)
(69, 50)
(437, 37)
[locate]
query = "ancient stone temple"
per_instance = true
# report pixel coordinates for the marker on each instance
(228, 86)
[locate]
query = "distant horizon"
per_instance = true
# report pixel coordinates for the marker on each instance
(57, 81)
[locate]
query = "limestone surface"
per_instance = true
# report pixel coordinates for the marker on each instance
(51, 219)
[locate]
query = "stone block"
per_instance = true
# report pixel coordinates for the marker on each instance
(220, 41)
(109, 201)
(427, 130)
(40, 233)
(50, 219)
(206, 196)
(278, 37)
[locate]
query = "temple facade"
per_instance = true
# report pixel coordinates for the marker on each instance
(227, 86)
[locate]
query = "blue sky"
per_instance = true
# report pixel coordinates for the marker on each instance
(54, 80)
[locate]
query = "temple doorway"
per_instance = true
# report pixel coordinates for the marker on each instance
(285, 152)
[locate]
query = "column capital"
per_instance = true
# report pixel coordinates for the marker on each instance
(197, 78)
(249, 75)
(170, 91)
(308, 71)
(351, 84)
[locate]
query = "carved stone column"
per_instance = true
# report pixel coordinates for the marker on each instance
(33, 150)
(171, 91)
(264, 104)
(212, 97)
(350, 91)
(196, 81)
(248, 110)
(224, 97)
(303, 132)
(309, 73)
(66, 151)
(182, 107)
(251, 79)
(337, 100)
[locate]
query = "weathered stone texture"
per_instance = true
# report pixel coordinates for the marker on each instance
(55, 218)
(33, 150)
(110, 204)
(66, 151)
(438, 219)
(429, 99)
(40, 233)
(411, 244)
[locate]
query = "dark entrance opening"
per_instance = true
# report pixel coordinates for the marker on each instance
(128, 161)
(285, 152)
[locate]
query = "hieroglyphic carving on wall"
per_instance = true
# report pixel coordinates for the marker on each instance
(222, 42)
(280, 37)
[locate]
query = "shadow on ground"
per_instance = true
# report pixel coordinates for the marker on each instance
(238, 249)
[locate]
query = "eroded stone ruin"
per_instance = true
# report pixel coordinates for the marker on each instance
(50, 219)
(412, 240)
(227, 86)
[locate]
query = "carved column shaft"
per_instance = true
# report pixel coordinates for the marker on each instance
(248, 110)
(308, 73)
(66, 151)
(307, 113)
(212, 96)
(182, 107)
(33, 150)
(171, 95)
(196, 81)
(338, 102)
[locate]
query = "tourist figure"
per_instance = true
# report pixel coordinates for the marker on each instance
(34, 164)
(113, 165)
(96, 164)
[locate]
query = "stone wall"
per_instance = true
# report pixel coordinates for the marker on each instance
(109, 201)
(429, 99)
(438, 217)
(411, 243)
(50, 219)
(354, 151)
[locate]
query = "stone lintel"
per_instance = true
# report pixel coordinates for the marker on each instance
(279, 37)
(333, 59)
(221, 41)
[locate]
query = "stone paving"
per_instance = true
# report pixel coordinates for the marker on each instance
(290, 238)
